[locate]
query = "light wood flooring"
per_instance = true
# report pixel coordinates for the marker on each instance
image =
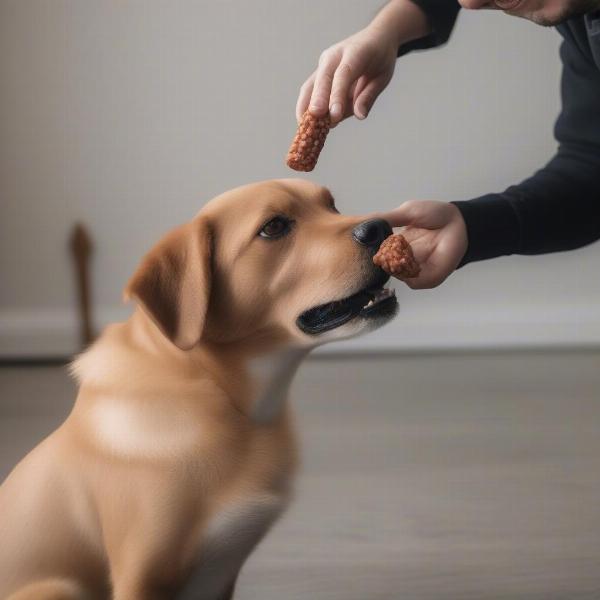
(450, 477)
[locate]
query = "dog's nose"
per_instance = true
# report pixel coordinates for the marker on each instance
(372, 233)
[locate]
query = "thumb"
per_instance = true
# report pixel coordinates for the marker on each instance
(429, 214)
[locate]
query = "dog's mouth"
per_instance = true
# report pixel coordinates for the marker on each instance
(373, 301)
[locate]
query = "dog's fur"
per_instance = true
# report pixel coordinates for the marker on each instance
(179, 452)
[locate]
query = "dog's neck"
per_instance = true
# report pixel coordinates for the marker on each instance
(271, 376)
(255, 377)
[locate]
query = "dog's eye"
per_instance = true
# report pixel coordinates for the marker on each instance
(275, 228)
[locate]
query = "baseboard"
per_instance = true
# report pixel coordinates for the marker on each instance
(481, 329)
(53, 333)
(28, 333)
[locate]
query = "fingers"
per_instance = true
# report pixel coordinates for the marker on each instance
(408, 213)
(438, 252)
(359, 86)
(435, 270)
(340, 85)
(332, 87)
(306, 91)
(321, 93)
(346, 74)
(430, 214)
(428, 278)
(365, 99)
(349, 110)
(435, 267)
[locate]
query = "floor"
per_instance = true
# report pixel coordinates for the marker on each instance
(451, 477)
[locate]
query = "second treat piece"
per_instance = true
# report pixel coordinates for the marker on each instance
(395, 256)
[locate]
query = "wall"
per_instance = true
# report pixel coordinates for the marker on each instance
(128, 115)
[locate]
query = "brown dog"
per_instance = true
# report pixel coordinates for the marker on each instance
(179, 452)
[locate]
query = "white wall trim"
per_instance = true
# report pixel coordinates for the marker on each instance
(47, 333)
(516, 327)
(29, 333)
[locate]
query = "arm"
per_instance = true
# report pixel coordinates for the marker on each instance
(441, 16)
(352, 73)
(558, 208)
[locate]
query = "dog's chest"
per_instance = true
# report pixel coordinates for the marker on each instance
(226, 541)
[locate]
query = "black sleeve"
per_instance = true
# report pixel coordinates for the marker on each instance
(558, 208)
(441, 15)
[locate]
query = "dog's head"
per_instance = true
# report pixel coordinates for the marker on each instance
(271, 260)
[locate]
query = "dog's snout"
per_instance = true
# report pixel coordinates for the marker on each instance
(371, 233)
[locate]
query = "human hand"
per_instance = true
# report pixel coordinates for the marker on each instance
(350, 76)
(437, 235)
(352, 73)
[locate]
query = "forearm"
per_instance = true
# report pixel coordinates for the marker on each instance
(556, 209)
(401, 21)
(440, 16)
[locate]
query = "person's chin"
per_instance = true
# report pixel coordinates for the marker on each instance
(553, 12)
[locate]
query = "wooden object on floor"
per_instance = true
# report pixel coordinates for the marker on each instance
(81, 249)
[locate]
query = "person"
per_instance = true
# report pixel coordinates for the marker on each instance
(558, 208)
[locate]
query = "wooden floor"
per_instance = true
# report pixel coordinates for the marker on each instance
(425, 478)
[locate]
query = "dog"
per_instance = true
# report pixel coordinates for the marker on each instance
(179, 453)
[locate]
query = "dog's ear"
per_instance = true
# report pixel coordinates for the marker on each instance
(172, 284)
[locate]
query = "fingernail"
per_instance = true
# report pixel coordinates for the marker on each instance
(336, 111)
(361, 112)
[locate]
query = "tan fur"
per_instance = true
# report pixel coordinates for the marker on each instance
(162, 474)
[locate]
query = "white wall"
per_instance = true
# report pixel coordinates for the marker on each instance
(128, 115)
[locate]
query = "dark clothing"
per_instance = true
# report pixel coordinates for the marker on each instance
(558, 208)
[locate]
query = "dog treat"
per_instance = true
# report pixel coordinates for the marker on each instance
(308, 142)
(395, 256)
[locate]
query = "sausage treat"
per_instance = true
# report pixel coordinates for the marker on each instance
(308, 142)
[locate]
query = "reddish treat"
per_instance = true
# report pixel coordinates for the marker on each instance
(308, 142)
(395, 256)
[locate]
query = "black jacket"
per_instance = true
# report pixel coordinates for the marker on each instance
(558, 208)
